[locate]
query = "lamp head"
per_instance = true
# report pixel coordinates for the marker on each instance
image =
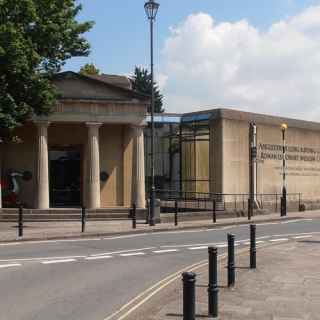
(151, 9)
(284, 126)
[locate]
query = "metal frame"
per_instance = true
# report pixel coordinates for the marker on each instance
(171, 143)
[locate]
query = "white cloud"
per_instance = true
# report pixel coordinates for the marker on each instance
(205, 64)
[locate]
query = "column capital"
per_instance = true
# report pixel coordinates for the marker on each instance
(94, 124)
(42, 123)
(140, 125)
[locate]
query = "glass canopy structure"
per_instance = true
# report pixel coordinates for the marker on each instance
(181, 152)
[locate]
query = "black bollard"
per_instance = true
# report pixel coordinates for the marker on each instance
(214, 211)
(189, 295)
(231, 261)
(134, 216)
(253, 249)
(176, 209)
(148, 212)
(213, 290)
(83, 219)
(250, 208)
(20, 222)
(283, 206)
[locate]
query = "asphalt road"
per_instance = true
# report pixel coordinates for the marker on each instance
(89, 279)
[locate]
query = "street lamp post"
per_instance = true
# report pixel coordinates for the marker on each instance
(253, 169)
(284, 127)
(151, 9)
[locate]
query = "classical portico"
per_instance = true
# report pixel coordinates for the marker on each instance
(89, 151)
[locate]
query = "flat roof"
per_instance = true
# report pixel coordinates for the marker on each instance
(258, 118)
(233, 114)
(165, 118)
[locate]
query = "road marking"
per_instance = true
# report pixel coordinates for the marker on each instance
(56, 241)
(164, 282)
(294, 221)
(165, 251)
(10, 265)
(121, 251)
(192, 245)
(126, 236)
(198, 248)
(241, 241)
(257, 242)
(294, 234)
(183, 231)
(201, 229)
(98, 258)
(42, 258)
(281, 239)
(132, 254)
(158, 287)
(58, 261)
(221, 245)
(267, 223)
(302, 237)
(264, 237)
(10, 244)
(79, 240)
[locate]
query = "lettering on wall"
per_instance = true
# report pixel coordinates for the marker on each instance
(293, 153)
(310, 156)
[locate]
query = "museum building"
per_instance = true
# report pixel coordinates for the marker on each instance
(89, 151)
(210, 152)
(93, 150)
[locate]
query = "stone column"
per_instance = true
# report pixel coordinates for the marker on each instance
(93, 165)
(139, 189)
(42, 174)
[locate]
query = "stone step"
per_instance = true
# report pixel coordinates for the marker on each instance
(105, 214)
(116, 210)
(65, 216)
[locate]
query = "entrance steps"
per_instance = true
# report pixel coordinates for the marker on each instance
(65, 214)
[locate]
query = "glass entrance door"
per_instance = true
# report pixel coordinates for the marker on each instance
(65, 177)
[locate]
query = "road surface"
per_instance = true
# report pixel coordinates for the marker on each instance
(85, 279)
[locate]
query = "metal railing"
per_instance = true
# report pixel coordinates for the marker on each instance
(203, 201)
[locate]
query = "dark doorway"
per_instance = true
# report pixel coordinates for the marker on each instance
(65, 177)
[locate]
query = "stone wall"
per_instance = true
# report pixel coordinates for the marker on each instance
(115, 158)
(230, 155)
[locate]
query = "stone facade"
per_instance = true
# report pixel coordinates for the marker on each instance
(93, 120)
(229, 154)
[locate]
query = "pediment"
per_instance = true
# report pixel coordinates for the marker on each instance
(74, 86)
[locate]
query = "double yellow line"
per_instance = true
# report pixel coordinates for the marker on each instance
(143, 297)
(146, 295)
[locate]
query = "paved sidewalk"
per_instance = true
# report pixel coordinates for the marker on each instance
(286, 286)
(67, 229)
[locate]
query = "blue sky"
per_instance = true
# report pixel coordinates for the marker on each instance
(120, 36)
(253, 55)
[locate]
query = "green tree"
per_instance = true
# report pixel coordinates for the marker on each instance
(36, 39)
(90, 69)
(141, 82)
